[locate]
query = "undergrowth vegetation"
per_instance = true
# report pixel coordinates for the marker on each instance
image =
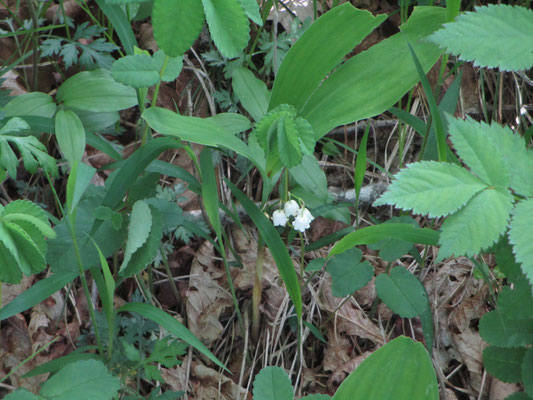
(199, 200)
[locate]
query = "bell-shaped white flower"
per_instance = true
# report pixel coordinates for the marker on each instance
(303, 219)
(291, 208)
(279, 218)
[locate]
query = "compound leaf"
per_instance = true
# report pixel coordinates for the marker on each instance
(503, 363)
(498, 329)
(138, 71)
(476, 226)
(348, 273)
(434, 188)
(493, 36)
(272, 383)
(228, 25)
(520, 236)
(177, 24)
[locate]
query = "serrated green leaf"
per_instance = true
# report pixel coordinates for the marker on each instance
(506, 261)
(400, 370)
(433, 188)
(228, 25)
(480, 155)
(252, 11)
(348, 273)
(493, 36)
(499, 330)
(36, 103)
(520, 236)
(138, 71)
(252, 92)
(503, 363)
(272, 383)
(77, 381)
(31, 260)
(26, 207)
(146, 253)
(288, 143)
(527, 371)
(96, 91)
(518, 302)
(405, 295)
(70, 136)
(477, 225)
(139, 230)
(173, 68)
(177, 24)
(10, 272)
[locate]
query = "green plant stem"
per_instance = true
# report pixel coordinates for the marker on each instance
(302, 260)
(258, 288)
(154, 98)
(169, 273)
(67, 29)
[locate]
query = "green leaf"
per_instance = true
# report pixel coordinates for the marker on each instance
(70, 136)
(477, 225)
(30, 258)
(480, 155)
(36, 104)
(173, 68)
(96, 91)
(499, 330)
(348, 273)
(82, 380)
(252, 92)
(272, 383)
(193, 129)
(316, 397)
(393, 248)
(376, 233)
(210, 190)
(527, 371)
(10, 272)
(520, 236)
(21, 394)
(121, 24)
(506, 261)
(312, 57)
(288, 143)
(518, 396)
(403, 370)
(518, 302)
(138, 71)
(275, 244)
(58, 363)
(139, 230)
(351, 92)
(405, 295)
(232, 122)
(503, 363)
(79, 179)
(177, 24)
(172, 326)
(493, 36)
(433, 188)
(228, 25)
(252, 11)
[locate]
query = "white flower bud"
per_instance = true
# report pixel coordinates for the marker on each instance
(291, 208)
(279, 218)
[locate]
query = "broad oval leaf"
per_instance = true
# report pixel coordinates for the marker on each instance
(77, 381)
(272, 383)
(252, 92)
(312, 56)
(348, 273)
(138, 71)
(139, 230)
(400, 370)
(499, 330)
(492, 36)
(177, 24)
(96, 91)
(228, 25)
(527, 372)
(503, 363)
(374, 80)
(70, 136)
(35, 104)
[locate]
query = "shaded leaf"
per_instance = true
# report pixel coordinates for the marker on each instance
(520, 236)
(503, 363)
(272, 383)
(499, 330)
(348, 273)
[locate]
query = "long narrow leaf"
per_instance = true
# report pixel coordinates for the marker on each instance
(373, 234)
(276, 246)
(209, 190)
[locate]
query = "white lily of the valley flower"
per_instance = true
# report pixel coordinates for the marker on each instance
(279, 218)
(303, 219)
(291, 208)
